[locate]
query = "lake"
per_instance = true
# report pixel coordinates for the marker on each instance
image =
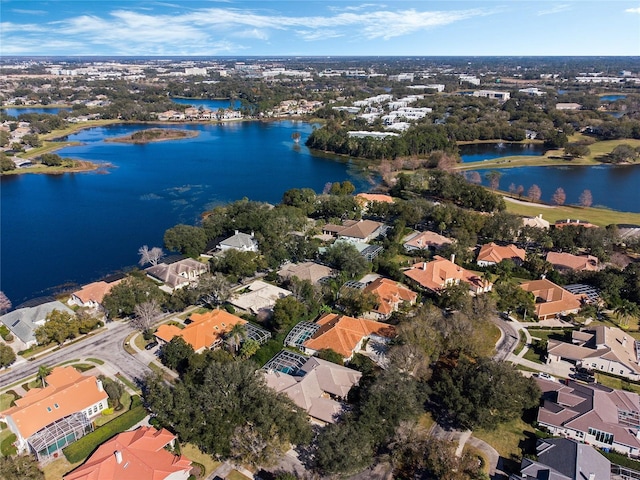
(612, 98)
(208, 104)
(14, 112)
(612, 186)
(478, 152)
(74, 228)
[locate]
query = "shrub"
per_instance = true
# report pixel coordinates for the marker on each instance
(7, 448)
(81, 449)
(108, 411)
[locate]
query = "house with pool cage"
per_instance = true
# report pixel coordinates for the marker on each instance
(48, 419)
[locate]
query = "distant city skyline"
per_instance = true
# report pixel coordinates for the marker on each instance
(320, 28)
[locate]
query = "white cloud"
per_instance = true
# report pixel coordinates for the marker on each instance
(555, 9)
(29, 12)
(252, 33)
(633, 10)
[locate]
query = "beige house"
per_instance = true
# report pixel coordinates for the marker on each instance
(492, 254)
(440, 273)
(566, 262)
(177, 274)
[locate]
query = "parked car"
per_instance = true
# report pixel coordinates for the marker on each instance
(150, 345)
(584, 377)
(546, 376)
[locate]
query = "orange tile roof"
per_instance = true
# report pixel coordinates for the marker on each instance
(441, 272)
(496, 253)
(95, 291)
(143, 457)
(427, 239)
(67, 388)
(573, 262)
(342, 334)
(204, 330)
(551, 299)
(390, 293)
(373, 197)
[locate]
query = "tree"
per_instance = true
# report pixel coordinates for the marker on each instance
(5, 303)
(249, 348)
(483, 393)
(213, 289)
(474, 177)
(559, 196)
(235, 336)
(149, 256)
(20, 467)
(287, 312)
(6, 164)
(7, 355)
(623, 154)
(626, 310)
(176, 354)
(355, 302)
(345, 257)
(186, 239)
(576, 150)
(114, 390)
(123, 298)
(145, 315)
(59, 327)
(51, 159)
(494, 179)
(586, 199)
(331, 356)
(534, 193)
(520, 190)
(43, 373)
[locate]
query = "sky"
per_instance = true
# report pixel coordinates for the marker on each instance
(319, 28)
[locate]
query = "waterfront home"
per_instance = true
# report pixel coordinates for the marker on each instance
(178, 274)
(567, 262)
(575, 223)
(239, 241)
(593, 414)
(258, 297)
(605, 349)
(425, 241)
(342, 334)
(45, 420)
(23, 322)
(492, 254)
(318, 387)
(365, 199)
(440, 273)
(564, 459)
(309, 271)
(141, 454)
(551, 299)
(356, 230)
(536, 222)
(91, 295)
(391, 295)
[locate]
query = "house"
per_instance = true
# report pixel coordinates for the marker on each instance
(607, 349)
(593, 414)
(91, 295)
(391, 295)
(45, 420)
(140, 454)
(440, 273)
(206, 330)
(492, 254)
(24, 321)
(239, 241)
(356, 230)
(568, 106)
(177, 274)
(536, 222)
(342, 334)
(425, 241)
(258, 297)
(575, 223)
(564, 459)
(309, 271)
(566, 262)
(365, 199)
(551, 299)
(318, 387)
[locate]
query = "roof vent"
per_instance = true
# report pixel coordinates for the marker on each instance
(118, 455)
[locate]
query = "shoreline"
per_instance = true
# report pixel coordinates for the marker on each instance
(184, 134)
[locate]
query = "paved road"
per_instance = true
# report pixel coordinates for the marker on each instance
(509, 340)
(107, 345)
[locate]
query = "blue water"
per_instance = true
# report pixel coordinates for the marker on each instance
(14, 112)
(478, 152)
(612, 98)
(74, 228)
(208, 104)
(612, 186)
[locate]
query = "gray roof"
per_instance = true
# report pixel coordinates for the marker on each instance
(565, 459)
(23, 321)
(240, 240)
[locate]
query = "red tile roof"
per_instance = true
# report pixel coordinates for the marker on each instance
(390, 294)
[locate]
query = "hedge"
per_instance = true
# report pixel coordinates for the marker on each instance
(81, 449)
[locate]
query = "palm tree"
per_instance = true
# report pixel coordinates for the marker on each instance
(43, 373)
(235, 336)
(624, 311)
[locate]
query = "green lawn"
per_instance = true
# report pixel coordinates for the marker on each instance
(522, 342)
(544, 335)
(236, 475)
(58, 468)
(509, 439)
(125, 400)
(193, 453)
(5, 401)
(617, 383)
(96, 360)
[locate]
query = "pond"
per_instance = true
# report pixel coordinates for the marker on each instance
(14, 112)
(478, 152)
(208, 104)
(612, 98)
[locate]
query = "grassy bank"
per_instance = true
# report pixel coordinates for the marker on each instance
(598, 216)
(552, 157)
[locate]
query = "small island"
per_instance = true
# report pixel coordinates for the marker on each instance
(155, 135)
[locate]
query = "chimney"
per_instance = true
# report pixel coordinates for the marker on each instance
(624, 342)
(252, 234)
(424, 265)
(99, 385)
(237, 232)
(118, 455)
(539, 215)
(592, 476)
(453, 258)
